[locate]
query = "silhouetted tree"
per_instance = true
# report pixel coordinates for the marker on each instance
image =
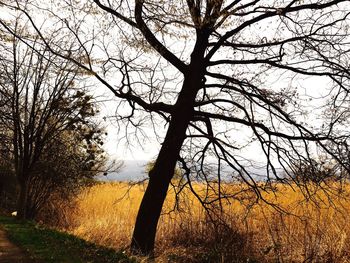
(42, 107)
(222, 76)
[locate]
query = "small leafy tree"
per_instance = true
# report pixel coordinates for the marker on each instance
(67, 164)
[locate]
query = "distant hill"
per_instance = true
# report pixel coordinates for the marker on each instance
(132, 170)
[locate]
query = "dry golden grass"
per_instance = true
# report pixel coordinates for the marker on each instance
(307, 232)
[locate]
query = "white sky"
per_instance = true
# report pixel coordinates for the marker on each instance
(147, 149)
(118, 148)
(115, 144)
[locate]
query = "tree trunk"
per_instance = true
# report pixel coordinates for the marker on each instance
(143, 238)
(22, 199)
(153, 199)
(160, 176)
(148, 216)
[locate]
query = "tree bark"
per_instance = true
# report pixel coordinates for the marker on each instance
(22, 199)
(143, 238)
(160, 176)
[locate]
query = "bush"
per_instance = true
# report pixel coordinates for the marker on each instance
(314, 171)
(8, 190)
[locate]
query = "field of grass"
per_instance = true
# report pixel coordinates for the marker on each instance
(311, 230)
(50, 246)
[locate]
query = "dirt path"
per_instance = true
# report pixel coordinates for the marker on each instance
(9, 253)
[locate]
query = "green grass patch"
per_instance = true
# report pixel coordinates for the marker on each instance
(50, 246)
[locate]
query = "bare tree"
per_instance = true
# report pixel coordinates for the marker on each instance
(223, 76)
(42, 103)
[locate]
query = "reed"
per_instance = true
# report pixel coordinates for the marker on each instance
(307, 230)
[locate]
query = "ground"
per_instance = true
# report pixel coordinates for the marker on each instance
(9, 253)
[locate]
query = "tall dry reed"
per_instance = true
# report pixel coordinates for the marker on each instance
(307, 231)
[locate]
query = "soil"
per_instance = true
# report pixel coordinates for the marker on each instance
(10, 253)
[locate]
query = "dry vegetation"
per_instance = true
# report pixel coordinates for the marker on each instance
(308, 231)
